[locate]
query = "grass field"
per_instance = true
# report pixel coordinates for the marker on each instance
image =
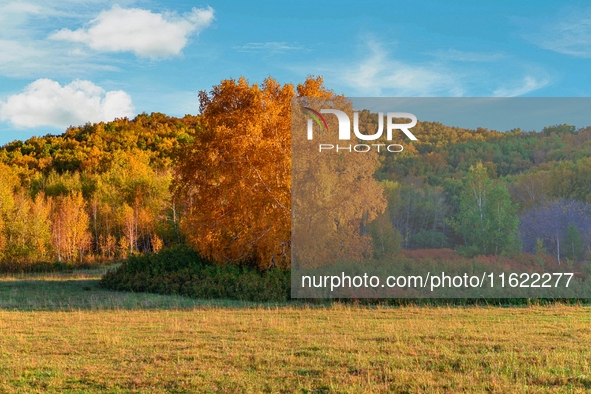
(60, 333)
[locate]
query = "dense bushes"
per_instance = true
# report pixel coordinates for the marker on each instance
(182, 271)
(18, 267)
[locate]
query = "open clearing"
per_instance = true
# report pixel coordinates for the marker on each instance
(61, 333)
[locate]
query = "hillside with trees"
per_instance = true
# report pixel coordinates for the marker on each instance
(95, 193)
(101, 192)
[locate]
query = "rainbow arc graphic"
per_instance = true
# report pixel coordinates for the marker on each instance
(317, 117)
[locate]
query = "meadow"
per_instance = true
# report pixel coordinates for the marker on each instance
(62, 333)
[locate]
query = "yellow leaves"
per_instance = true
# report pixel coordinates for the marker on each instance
(2, 237)
(8, 182)
(334, 193)
(313, 87)
(40, 225)
(92, 163)
(157, 243)
(128, 220)
(70, 221)
(235, 178)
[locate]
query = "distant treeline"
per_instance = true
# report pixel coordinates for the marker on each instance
(105, 191)
(95, 193)
(443, 184)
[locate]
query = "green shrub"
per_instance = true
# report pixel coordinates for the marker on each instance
(14, 267)
(182, 271)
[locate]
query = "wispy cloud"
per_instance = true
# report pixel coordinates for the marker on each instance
(568, 33)
(47, 103)
(526, 85)
(24, 49)
(26, 58)
(139, 31)
(269, 46)
(468, 56)
(14, 13)
(378, 74)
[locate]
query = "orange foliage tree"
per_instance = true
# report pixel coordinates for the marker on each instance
(334, 194)
(235, 179)
(8, 182)
(70, 227)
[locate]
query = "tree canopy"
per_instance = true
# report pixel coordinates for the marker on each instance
(221, 180)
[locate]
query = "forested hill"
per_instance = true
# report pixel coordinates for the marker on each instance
(547, 175)
(102, 191)
(96, 192)
(444, 152)
(553, 163)
(91, 147)
(441, 152)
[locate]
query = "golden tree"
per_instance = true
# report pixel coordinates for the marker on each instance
(2, 238)
(24, 223)
(235, 179)
(8, 182)
(334, 193)
(70, 227)
(129, 221)
(40, 226)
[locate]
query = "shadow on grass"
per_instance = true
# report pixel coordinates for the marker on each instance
(79, 290)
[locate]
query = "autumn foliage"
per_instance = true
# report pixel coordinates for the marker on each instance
(335, 197)
(235, 178)
(96, 193)
(106, 191)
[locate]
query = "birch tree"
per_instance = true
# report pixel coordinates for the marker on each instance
(487, 218)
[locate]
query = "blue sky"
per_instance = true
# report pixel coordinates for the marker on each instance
(65, 63)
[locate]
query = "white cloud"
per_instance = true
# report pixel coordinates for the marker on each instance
(379, 75)
(528, 84)
(269, 46)
(47, 103)
(14, 13)
(12, 51)
(25, 51)
(569, 33)
(139, 31)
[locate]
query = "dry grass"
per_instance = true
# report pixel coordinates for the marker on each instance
(295, 349)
